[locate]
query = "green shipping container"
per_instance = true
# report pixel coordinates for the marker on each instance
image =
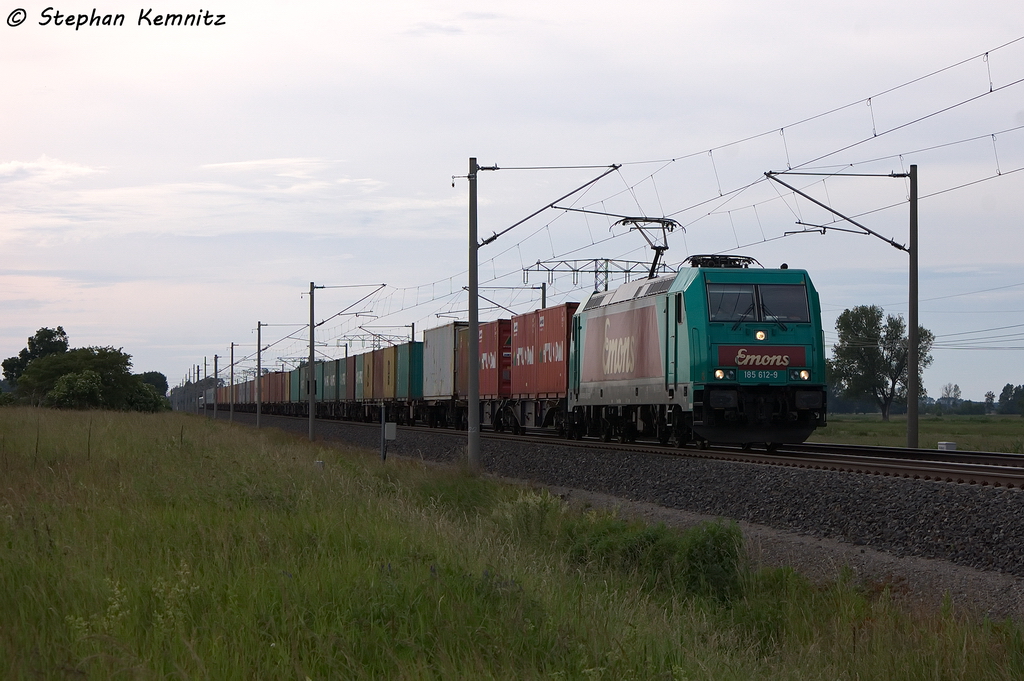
(330, 391)
(410, 371)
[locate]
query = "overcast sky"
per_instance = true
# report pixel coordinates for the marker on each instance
(163, 188)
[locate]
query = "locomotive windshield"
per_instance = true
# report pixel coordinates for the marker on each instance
(758, 303)
(731, 302)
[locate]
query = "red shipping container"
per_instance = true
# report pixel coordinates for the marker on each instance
(524, 354)
(554, 325)
(496, 359)
(378, 374)
(350, 378)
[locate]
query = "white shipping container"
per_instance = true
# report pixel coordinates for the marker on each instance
(439, 361)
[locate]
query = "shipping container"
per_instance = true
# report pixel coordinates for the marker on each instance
(303, 384)
(439, 361)
(330, 381)
(409, 381)
(462, 362)
(554, 327)
(496, 359)
(294, 386)
(320, 381)
(274, 388)
(524, 354)
(378, 374)
(389, 373)
(349, 380)
(359, 383)
(369, 369)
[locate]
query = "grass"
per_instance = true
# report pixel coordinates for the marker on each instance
(169, 546)
(995, 433)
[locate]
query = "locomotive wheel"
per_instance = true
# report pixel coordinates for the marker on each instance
(772, 446)
(746, 446)
(703, 444)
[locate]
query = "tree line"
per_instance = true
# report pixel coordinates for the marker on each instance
(48, 372)
(869, 368)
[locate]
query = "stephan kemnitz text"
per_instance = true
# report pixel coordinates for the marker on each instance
(146, 18)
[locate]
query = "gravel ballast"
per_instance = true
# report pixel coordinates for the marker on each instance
(849, 519)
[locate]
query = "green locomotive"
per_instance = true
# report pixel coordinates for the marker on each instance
(719, 352)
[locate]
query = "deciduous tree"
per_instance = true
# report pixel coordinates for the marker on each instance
(155, 379)
(119, 389)
(44, 342)
(870, 361)
(1011, 399)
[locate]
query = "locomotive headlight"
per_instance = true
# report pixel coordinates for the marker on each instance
(725, 374)
(760, 335)
(799, 375)
(719, 374)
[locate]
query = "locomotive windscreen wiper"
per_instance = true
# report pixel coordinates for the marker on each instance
(771, 317)
(743, 317)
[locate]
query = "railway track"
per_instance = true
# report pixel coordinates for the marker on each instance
(975, 468)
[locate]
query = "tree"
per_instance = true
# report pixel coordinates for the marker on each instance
(44, 342)
(870, 359)
(155, 379)
(950, 394)
(990, 402)
(119, 389)
(1011, 399)
(77, 390)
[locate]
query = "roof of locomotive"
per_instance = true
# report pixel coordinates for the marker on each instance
(682, 279)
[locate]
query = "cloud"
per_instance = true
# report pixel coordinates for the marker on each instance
(275, 195)
(45, 171)
(428, 28)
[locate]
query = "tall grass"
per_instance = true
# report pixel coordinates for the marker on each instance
(168, 546)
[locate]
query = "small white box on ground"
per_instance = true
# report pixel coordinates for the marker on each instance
(948, 446)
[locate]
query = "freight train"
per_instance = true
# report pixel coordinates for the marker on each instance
(720, 352)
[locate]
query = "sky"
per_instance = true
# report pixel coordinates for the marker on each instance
(165, 188)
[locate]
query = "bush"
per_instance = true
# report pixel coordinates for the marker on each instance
(77, 390)
(702, 561)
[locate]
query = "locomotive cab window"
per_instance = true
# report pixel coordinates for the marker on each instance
(758, 303)
(731, 302)
(784, 302)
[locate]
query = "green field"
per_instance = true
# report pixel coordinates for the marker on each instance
(170, 546)
(974, 433)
